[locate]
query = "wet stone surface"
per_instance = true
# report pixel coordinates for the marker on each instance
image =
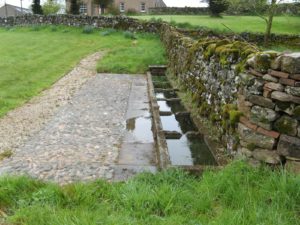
(83, 139)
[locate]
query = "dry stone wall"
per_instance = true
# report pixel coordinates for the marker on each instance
(269, 129)
(252, 97)
(117, 22)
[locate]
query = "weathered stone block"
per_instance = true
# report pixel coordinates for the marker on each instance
(267, 93)
(260, 62)
(243, 105)
(295, 76)
(278, 74)
(255, 73)
(286, 107)
(296, 112)
(274, 86)
(289, 82)
(289, 146)
(261, 101)
(293, 166)
(245, 152)
(247, 123)
(286, 125)
(255, 87)
(257, 139)
(293, 90)
(276, 63)
(291, 63)
(263, 116)
(284, 97)
(266, 156)
(269, 133)
(270, 78)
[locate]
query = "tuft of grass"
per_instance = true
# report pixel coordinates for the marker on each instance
(130, 35)
(88, 29)
(6, 154)
(238, 194)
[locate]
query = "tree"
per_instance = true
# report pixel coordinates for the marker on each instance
(216, 7)
(51, 7)
(36, 7)
(103, 4)
(74, 7)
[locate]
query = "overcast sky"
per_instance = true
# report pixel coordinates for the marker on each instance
(170, 3)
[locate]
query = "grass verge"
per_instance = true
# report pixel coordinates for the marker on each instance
(238, 194)
(33, 58)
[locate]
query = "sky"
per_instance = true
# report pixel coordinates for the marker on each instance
(170, 3)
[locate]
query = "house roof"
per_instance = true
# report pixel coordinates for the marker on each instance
(18, 9)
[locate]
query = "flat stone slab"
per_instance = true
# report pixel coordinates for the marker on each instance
(138, 152)
(83, 139)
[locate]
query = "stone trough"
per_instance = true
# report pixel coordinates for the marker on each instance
(178, 140)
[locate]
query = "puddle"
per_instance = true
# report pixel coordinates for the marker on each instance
(181, 124)
(140, 130)
(189, 152)
(166, 94)
(174, 107)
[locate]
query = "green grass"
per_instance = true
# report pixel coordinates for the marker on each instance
(239, 194)
(281, 25)
(34, 58)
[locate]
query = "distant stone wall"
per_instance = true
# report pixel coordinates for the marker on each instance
(257, 38)
(117, 22)
(179, 11)
(253, 98)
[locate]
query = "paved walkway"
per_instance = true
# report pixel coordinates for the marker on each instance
(82, 140)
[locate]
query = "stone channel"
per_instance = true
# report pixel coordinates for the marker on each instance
(182, 143)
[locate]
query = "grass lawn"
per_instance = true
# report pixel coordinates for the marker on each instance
(281, 24)
(34, 58)
(236, 195)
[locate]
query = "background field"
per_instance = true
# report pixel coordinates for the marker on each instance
(34, 58)
(282, 24)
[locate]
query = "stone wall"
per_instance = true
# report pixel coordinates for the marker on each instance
(269, 98)
(252, 97)
(179, 11)
(117, 22)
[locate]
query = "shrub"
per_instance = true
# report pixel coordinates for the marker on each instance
(216, 7)
(51, 7)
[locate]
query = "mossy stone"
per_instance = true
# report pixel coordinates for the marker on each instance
(286, 125)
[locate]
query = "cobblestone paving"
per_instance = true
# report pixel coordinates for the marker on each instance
(81, 142)
(23, 122)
